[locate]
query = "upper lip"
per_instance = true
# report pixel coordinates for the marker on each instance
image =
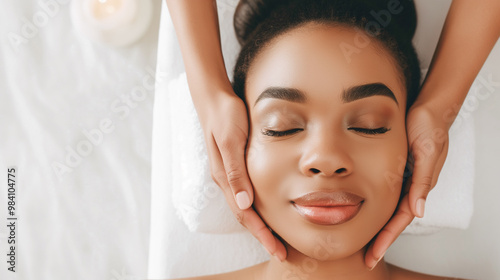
(328, 199)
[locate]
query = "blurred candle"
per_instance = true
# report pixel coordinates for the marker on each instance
(106, 8)
(114, 22)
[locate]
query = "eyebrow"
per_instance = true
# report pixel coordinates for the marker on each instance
(348, 95)
(367, 90)
(285, 93)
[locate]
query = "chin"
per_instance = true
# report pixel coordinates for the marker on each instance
(325, 242)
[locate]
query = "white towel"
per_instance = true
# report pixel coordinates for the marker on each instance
(198, 200)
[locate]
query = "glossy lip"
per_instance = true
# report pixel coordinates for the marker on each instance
(328, 208)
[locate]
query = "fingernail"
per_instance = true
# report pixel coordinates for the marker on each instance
(281, 257)
(243, 200)
(377, 262)
(420, 207)
(277, 258)
(269, 252)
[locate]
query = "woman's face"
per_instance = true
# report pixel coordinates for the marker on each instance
(327, 145)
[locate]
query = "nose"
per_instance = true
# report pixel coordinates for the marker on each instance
(326, 156)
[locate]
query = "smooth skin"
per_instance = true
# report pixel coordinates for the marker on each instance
(471, 27)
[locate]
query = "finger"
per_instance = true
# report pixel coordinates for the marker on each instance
(232, 150)
(216, 167)
(439, 165)
(421, 181)
(391, 231)
(253, 222)
(248, 218)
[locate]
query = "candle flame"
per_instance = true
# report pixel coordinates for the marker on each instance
(106, 8)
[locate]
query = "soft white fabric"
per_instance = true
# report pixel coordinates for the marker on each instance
(197, 199)
(198, 220)
(80, 217)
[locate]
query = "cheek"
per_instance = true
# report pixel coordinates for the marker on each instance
(383, 162)
(260, 162)
(272, 168)
(384, 169)
(265, 168)
(393, 159)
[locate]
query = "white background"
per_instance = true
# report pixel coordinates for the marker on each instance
(92, 222)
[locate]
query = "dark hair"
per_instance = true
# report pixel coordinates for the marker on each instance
(257, 22)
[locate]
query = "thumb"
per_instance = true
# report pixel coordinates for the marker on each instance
(233, 158)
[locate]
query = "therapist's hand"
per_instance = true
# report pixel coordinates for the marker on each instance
(428, 147)
(225, 124)
(429, 119)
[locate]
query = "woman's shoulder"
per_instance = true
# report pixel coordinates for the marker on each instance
(249, 273)
(399, 273)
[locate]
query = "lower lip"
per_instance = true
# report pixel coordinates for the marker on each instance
(328, 215)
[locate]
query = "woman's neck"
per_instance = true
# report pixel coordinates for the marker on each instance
(300, 267)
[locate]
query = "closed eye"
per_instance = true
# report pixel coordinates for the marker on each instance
(380, 130)
(275, 133)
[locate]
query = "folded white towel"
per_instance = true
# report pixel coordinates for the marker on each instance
(450, 203)
(201, 204)
(198, 200)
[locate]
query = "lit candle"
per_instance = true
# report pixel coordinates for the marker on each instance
(115, 22)
(108, 14)
(106, 8)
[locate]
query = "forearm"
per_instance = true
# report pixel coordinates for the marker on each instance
(469, 33)
(197, 28)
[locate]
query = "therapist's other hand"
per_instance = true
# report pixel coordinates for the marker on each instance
(225, 125)
(428, 147)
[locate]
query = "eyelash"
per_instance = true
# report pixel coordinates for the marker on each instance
(274, 133)
(380, 130)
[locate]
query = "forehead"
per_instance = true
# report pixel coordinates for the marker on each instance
(322, 59)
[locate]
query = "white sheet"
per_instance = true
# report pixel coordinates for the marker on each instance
(176, 252)
(93, 222)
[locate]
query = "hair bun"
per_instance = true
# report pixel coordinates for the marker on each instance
(250, 13)
(403, 22)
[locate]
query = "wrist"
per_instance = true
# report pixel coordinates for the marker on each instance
(210, 95)
(442, 98)
(208, 84)
(443, 112)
